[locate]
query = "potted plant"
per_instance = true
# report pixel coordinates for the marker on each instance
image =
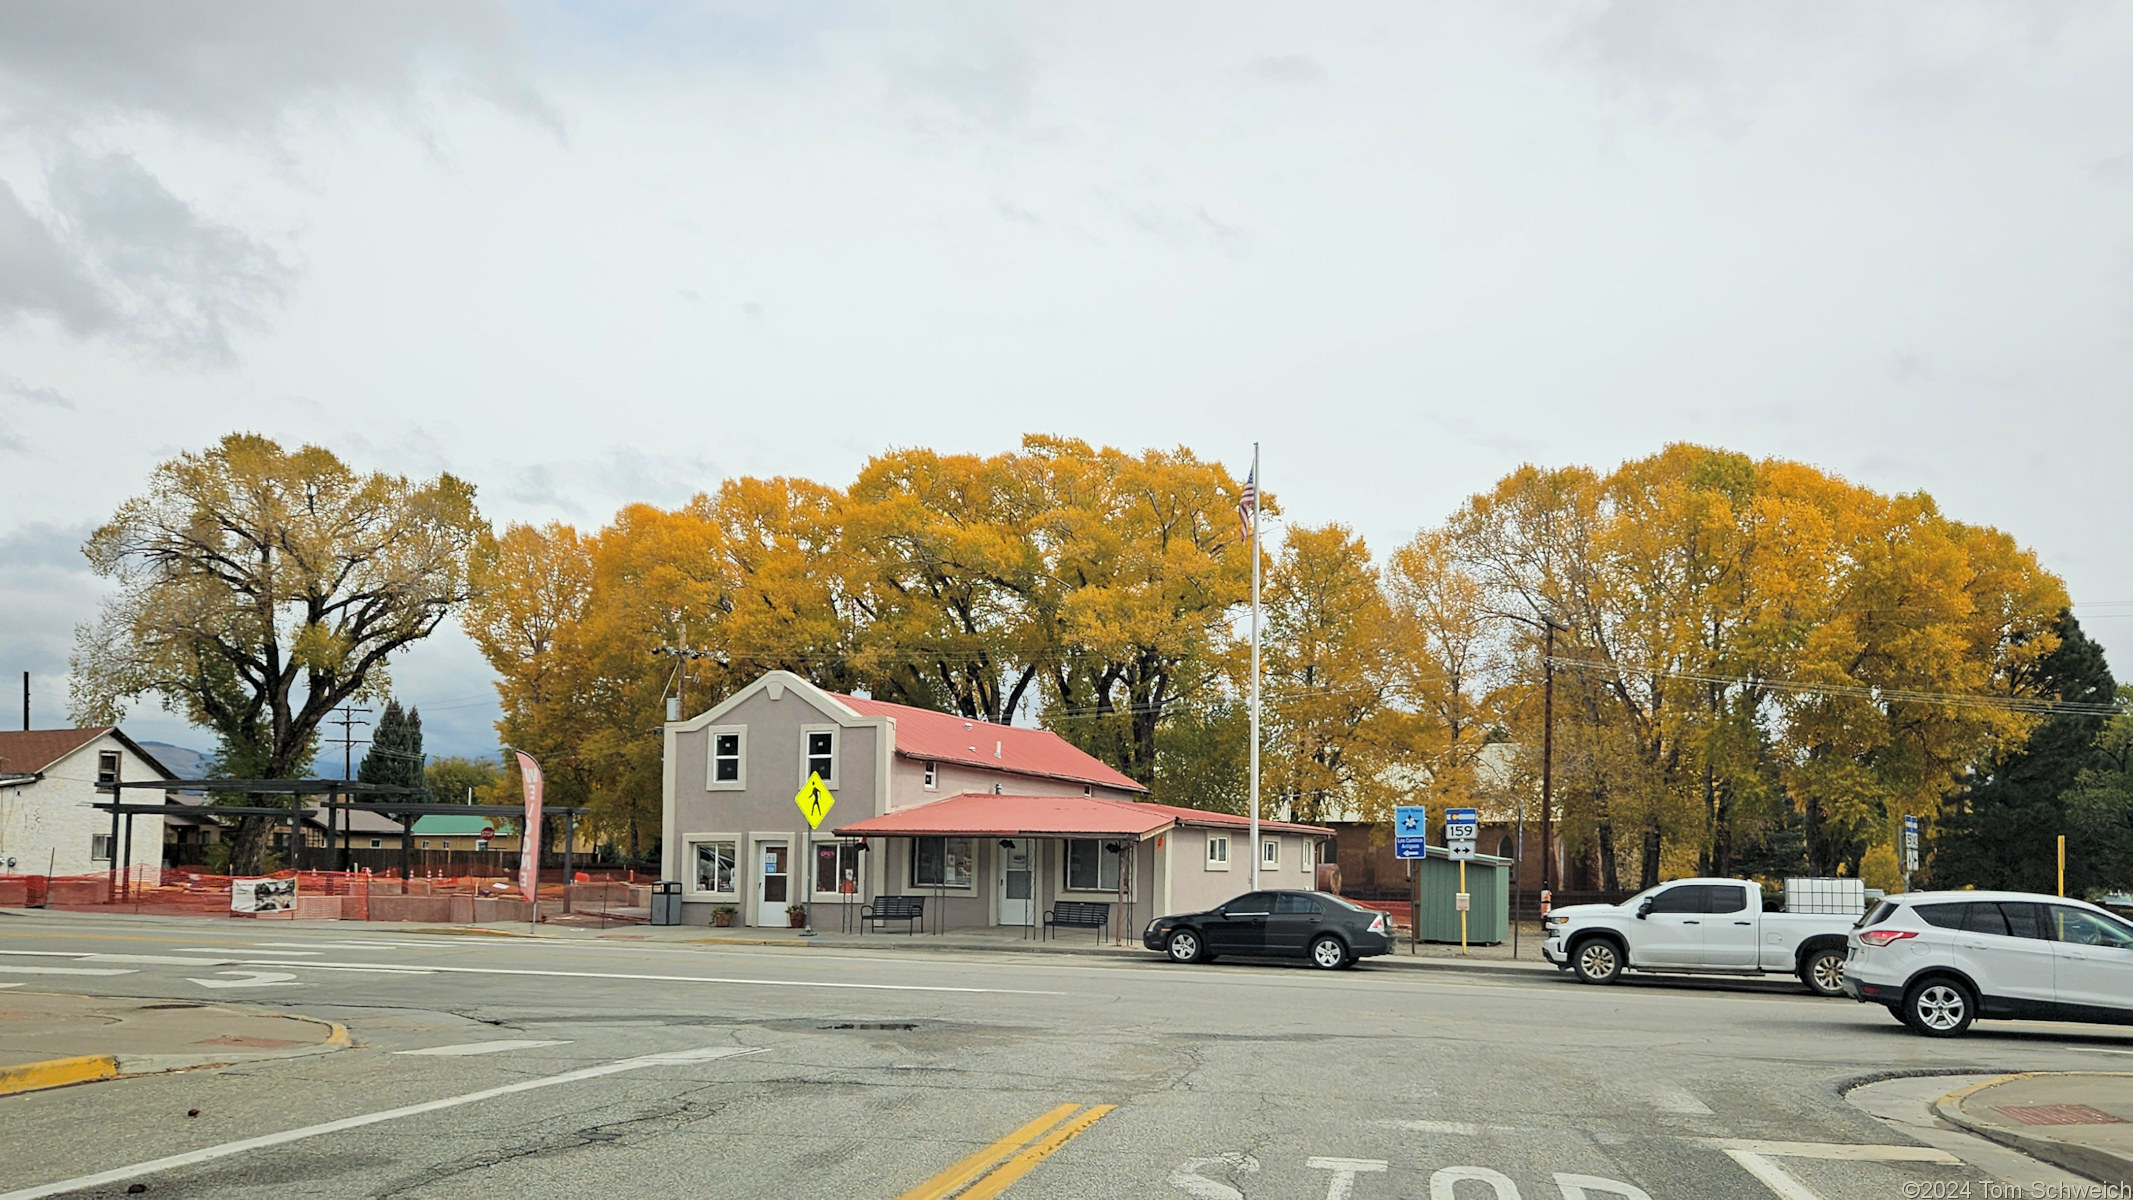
(723, 915)
(796, 914)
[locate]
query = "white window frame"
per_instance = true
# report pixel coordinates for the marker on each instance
(1123, 861)
(836, 736)
(1270, 853)
(859, 869)
(105, 840)
(1214, 862)
(377, 843)
(933, 776)
(689, 843)
(711, 779)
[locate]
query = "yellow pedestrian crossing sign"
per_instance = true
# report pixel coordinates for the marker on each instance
(814, 801)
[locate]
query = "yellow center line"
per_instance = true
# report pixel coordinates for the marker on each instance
(945, 1183)
(1023, 1163)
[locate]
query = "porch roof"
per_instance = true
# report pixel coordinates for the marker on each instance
(982, 814)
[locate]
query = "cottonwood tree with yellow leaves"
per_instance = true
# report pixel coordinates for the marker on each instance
(259, 589)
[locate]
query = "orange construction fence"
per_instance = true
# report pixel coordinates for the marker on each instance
(334, 896)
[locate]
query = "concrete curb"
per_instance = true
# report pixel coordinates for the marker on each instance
(2103, 1166)
(57, 1072)
(94, 1068)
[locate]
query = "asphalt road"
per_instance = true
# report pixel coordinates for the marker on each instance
(608, 1068)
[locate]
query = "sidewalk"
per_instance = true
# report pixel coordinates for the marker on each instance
(2082, 1121)
(1430, 955)
(52, 1040)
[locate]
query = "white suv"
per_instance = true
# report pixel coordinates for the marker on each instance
(1939, 960)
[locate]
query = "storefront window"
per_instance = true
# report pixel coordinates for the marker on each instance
(1090, 867)
(837, 867)
(942, 861)
(714, 866)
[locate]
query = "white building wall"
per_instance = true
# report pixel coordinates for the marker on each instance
(46, 827)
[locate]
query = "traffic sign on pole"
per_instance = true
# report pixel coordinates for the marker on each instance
(1462, 826)
(1910, 844)
(1410, 831)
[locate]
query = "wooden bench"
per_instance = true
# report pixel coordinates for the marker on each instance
(1078, 914)
(909, 909)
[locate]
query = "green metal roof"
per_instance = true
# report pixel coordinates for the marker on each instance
(468, 826)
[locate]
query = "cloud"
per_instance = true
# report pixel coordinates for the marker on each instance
(586, 488)
(247, 65)
(126, 260)
(1286, 69)
(118, 256)
(46, 586)
(43, 544)
(691, 295)
(48, 396)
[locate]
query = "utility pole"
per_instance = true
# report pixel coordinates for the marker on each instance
(347, 721)
(1548, 760)
(677, 704)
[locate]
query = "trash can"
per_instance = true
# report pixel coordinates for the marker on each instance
(666, 902)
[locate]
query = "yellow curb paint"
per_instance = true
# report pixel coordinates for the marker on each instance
(945, 1183)
(57, 1072)
(1025, 1162)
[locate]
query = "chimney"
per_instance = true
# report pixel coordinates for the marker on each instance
(996, 749)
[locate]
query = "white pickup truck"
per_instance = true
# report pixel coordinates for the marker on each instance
(1701, 925)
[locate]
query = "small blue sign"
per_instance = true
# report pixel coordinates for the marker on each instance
(1410, 831)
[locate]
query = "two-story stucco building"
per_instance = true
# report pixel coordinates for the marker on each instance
(991, 824)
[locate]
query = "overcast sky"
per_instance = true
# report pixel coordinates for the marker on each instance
(591, 253)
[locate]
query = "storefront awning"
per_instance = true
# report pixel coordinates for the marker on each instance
(981, 814)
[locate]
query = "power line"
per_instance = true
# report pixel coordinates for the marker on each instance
(2026, 704)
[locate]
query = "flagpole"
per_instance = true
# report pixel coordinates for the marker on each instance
(1255, 667)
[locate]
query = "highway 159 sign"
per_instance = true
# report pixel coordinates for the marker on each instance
(1461, 827)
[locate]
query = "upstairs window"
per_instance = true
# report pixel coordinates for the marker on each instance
(728, 768)
(933, 776)
(107, 766)
(820, 747)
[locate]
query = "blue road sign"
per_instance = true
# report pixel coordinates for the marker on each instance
(1410, 831)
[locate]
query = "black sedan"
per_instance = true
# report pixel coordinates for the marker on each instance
(1328, 930)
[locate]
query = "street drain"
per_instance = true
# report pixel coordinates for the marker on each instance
(899, 1025)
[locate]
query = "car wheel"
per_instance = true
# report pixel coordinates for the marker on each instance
(1597, 960)
(1184, 946)
(1329, 953)
(1823, 973)
(1939, 1007)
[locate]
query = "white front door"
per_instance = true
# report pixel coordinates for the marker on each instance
(1018, 882)
(773, 881)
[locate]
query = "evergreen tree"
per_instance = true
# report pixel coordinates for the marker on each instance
(2101, 804)
(2002, 829)
(395, 755)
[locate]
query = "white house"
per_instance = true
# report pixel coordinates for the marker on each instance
(48, 781)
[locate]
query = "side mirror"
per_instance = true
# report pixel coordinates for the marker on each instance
(1644, 910)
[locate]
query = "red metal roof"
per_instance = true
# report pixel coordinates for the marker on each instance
(945, 737)
(979, 814)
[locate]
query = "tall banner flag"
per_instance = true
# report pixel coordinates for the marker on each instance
(529, 855)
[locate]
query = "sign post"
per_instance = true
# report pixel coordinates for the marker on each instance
(815, 802)
(1910, 849)
(1461, 827)
(1410, 841)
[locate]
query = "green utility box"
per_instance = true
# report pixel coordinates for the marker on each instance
(1488, 883)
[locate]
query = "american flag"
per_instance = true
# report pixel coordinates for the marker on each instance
(1249, 502)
